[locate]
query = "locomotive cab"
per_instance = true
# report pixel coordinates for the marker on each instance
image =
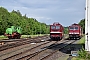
(75, 31)
(56, 31)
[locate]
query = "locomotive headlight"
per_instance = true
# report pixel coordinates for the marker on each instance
(70, 33)
(76, 33)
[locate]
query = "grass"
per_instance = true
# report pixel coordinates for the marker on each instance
(82, 40)
(2, 37)
(32, 36)
(23, 36)
(75, 58)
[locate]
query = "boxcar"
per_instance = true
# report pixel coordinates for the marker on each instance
(56, 31)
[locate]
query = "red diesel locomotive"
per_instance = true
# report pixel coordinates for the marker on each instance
(56, 31)
(75, 31)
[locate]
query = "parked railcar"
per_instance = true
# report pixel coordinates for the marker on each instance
(13, 32)
(75, 31)
(56, 31)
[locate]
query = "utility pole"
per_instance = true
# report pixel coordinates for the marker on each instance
(87, 26)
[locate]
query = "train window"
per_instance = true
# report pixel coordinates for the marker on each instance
(71, 28)
(57, 27)
(76, 28)
(52, 27)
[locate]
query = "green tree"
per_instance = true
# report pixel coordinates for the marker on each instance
(4, 17)
(65, 30)
(82, 23)
(15, 18)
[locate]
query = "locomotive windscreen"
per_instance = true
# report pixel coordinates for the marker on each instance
(73, 28)
(55, 27)
(52, 27)
(76, 28)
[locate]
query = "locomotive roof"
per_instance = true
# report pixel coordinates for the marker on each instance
(56, 23)
(75, 24)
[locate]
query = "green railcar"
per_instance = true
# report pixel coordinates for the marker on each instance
(13, 32)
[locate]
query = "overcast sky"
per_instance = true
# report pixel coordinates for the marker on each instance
(65, 12)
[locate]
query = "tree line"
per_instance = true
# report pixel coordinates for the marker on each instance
(29, 26)
(15, 18)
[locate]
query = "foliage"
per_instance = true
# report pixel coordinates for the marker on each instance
(29, 25)
(65, 30)
(82, 40)
(82, 23)
(75, 58)
(83, 54)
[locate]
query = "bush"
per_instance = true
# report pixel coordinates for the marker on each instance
(83, 54)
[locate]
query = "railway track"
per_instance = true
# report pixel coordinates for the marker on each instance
(25, 56)
(35, 56)
(26, 45)
(22, 39)
(22, 55)
(45, 57)
(27, 51)
(21, 42)
(9, 41)
(50, 53)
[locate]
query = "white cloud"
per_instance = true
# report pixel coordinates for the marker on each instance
(45, 10)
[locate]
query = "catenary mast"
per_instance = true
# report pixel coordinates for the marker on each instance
(87, 26)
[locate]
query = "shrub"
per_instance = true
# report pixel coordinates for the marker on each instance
(82, 53)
